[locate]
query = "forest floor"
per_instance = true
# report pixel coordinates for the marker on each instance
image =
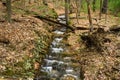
(19, 39)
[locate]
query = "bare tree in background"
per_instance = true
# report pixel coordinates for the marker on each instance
(94, 5)
(89, 15)
(105, 8)
(67, 3)
(70, 7)
(100, 9)
(78, 7)
(8, 5)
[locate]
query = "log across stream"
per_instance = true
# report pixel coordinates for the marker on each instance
(56, 67)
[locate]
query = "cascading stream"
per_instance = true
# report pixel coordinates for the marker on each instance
(56, 67)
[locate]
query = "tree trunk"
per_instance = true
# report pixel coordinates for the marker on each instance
(100, 9)
(89, 15)
(94, 7)
(104, 6)
(8, 2)
(71, 7)
(104, 9)
(80, 3)
(78, 7)
(67, 11)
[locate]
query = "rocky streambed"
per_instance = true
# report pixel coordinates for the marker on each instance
(56, 66)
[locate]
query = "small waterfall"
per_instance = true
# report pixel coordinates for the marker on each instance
(54, 65)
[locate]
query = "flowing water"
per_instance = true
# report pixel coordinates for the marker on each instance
(55, 66)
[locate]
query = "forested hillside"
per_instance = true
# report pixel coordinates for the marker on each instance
(59, 39)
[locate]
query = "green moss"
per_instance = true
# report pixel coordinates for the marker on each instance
(21, 69)
(25, 68)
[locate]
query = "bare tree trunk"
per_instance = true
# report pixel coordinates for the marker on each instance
(80, 4)
(89, 16)
(67, 11)
(94, 7)
(105, 6)
(8, 2)
(70, 7)
(104, 9)
(77, 9)
(100, 9)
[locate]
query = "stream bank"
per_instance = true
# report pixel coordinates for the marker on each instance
(97, 54)
(24, 42)
(23, 45)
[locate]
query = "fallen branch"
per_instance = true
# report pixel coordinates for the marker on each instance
(4, 40)
(50, 20)
(115, 28)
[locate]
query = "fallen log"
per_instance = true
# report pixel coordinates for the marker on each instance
(72, 28)
(52, 21)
